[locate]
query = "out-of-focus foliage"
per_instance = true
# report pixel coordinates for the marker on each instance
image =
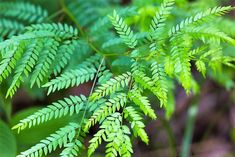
(127, 51)
(14, 16)
(7, 141)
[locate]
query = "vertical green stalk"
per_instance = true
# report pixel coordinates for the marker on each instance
(191, 117)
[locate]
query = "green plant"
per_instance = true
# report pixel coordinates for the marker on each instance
(41, 54)
(14, 16)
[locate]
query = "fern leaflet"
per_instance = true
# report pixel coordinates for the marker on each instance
(59, 138)
(71, 105)
(123, 30)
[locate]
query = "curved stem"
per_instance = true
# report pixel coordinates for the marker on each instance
(70, 15)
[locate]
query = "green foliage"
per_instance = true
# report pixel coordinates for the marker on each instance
(210, 34)
(22, 11)
(96, 141)
(199, 17)
(116, 134)
(83, 73)
(142, 102)
(112, 85)
(27, 138)
(73, 148)
(158, 21)
(9, 28)
(136, 123)
(44, 40)
(117, 137)
(14, 16)
(160, 81)
(57, 56)
(71, 105)
(112, 105)
(58, 139)
(8, 141)
(123, 30)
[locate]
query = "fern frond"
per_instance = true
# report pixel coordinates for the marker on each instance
(42, 31)
(160, 81)
(112, 105)
(197, 51)
(158, 21)
(86, 12)
(185, 77)
(10, 57)
(96, 141)
(228, 61)
(136, 123)
(138, 72)
(92, 61)
(104, 22)
(144, 81)
(73, 148)
(182, 66)
(116, 134)
(64, 54)
(104, 76)
(59, 138)
(169, 65)
(23, 11)
(49, 38)
(123, 30)
(71, 105)
(205, 33)
(61, 30)
(214, 57)
(201, 66)
(26, 63)
(71, 78)
(142, 102)
(216, 11)
(111, 86)
(113, 42)
(117, 137)
(147, 83)
(217, 60)
(118, 41)
(47, 56)
(9, 27)
(83, 73)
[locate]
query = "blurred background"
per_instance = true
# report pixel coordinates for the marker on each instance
(201, 125)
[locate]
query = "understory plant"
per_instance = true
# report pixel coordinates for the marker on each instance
(129, 53)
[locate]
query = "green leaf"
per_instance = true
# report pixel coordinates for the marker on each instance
(201, 67)
(27, 137)
(7, 141)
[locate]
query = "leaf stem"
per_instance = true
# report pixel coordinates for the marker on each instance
(192, 113)
(83, 34)
(92, 88)
(54, 14)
